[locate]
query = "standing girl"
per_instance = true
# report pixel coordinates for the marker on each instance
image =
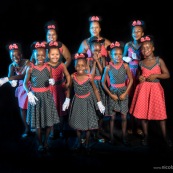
(132, 55)
(16, 73)
(82, 115)
(149, 102)
(117, 71)
(42, 112)
(59, 71)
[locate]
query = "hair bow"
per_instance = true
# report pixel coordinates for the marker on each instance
(51, 27)
(13, 46)
(94, 18)
(53, 43)
(79, 55)
(145, 39)
(136, 23)
(116, 44)
(40, 45)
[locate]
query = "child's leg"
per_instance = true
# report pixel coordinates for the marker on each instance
(164, 133)
(145, 130)
(23, 113)
(47, 133)
(112, 120)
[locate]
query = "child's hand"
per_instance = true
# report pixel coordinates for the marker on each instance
(32, 99)
(51, 81)
(114, 97)
(122, 96)
(101, 107)
(127, 59)
(3, 80)
(66, 104)
(142, 78)
(151, 77)
(13, 83)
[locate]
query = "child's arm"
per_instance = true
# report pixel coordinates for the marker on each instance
(104, 84)
(67, 100)
(31, 97)
(67, 75)
(164, 72)
(67, 55)
(99, 103)
(130, 78)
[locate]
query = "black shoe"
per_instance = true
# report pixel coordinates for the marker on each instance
(169, 143)
(126, 141)
(145, 141)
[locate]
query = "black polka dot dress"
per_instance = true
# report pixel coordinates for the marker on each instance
(44, 113)
(117, 76)
(82, 114)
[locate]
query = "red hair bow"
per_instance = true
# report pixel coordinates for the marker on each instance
(136, 23)
(53, 43)
(77, 55)
(51, 27)
(13, 46)
(116, 44)
(94, 18)
(145, 39)
(40, 45)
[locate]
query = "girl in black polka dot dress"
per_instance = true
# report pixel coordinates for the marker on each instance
(42, 112)
(86, 100)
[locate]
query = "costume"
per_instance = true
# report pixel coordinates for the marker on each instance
(133, 65)
(58, 90)
(82, 114)
(44, 113)
(117, 76)
(20, 92)
(149, 101)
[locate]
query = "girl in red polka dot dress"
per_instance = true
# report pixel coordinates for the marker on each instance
(148, 102)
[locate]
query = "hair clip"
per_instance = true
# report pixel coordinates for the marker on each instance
(13, 46)
(147, 38)
(94, 18)
(80, 55)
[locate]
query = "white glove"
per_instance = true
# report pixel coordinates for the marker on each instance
(134, 55)
(127, 59)
(3, 80)
(66, 104)
(32, 99)
(13, 83)
(51, 81)
(101, 107)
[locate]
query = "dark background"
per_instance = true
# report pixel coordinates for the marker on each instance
(23, 21)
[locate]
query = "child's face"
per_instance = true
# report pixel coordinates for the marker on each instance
(54, 55)
(116, 55)
(96, 48)
(80, 66)
(40, 55)
(51, 35)
(147, 48)
(15, 56)
(137, 33)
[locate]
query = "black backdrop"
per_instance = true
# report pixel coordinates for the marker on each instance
(23, 21)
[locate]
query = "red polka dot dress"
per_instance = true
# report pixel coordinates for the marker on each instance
(58, 90)
(149, 101)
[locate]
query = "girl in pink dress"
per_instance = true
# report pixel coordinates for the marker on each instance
(16, 73)
(148, 102)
